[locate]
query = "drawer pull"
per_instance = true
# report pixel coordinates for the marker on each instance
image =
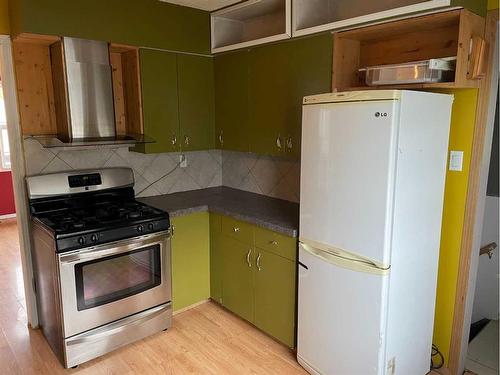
(248, 258)
(258, 261)
(236, 229)
(274, 242)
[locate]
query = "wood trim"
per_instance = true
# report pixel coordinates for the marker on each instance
(180, 311)
(472, 199)
(18, 173)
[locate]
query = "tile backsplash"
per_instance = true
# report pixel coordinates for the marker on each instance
(272, 176)
(204, 167)
(255, 173)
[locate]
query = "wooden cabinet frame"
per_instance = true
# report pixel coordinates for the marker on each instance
(432, 36)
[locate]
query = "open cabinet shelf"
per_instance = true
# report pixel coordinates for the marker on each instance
(440, 35)
(126, 89)
(42, 87)
(249, 23)
(313, 16)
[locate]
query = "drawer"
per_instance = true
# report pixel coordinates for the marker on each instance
(276, 243)
(238, 230)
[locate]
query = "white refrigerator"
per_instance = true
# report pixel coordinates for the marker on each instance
(372, 184)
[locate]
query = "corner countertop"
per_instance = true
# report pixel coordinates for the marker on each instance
(271, 213)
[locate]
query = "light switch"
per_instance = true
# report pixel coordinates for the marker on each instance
(456, 160)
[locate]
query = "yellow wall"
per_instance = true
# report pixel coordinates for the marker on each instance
(4, 17)
(492, 4)
(461, 135)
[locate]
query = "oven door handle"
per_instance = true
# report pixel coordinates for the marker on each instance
(113, 248)
(118, 326)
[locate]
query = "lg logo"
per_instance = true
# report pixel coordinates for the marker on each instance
(380, 114)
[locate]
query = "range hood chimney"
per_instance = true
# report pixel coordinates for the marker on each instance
(83, 90)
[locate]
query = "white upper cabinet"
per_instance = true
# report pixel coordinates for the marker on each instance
(249, 23)
(312, 16)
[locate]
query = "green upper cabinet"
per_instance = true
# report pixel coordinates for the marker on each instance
(231, 101)
(159, 100)
(275, 296)
(311, 66)
(270, 97)
(190, 260)
(177, 100)
(196, 102)
(280, 75)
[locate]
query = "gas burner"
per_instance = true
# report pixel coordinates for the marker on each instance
(134, 214)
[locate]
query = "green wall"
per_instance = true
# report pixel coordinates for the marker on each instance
(148, 23)
(4, 17)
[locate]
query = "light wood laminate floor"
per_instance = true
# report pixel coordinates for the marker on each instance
(204, 340)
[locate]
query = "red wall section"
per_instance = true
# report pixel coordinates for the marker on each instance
(6, 194)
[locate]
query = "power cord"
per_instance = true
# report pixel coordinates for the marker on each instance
(435, 352)
(159, 179)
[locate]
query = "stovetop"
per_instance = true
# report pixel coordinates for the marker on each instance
(99, 216)
(93, 219)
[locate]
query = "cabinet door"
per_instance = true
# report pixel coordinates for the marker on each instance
(270, 97)
(237, 278)
(190, 260)
(312, 72)
(275, 291)
(196, 102)
(159, 100)
(215, 258)
(231, 101)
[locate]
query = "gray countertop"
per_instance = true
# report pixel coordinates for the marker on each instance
(271, 213)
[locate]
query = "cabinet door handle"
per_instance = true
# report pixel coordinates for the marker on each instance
(274, 242)
(258, 261)
(186, 140)
(221, 138)
(174, 139)
(236, 229)
(289, 143)
(248, 258)
(278, 141)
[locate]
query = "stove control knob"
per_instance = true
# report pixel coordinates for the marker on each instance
(150, 226)
(81, 241)
(140, 228)
(93, 238)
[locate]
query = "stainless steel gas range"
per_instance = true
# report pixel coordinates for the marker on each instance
(102, 262)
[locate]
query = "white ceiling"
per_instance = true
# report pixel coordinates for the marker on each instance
(203, 4)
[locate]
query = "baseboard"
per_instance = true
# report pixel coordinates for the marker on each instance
(8, 216)
(191, 306)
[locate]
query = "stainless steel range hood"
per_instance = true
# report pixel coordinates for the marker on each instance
(83, 92)
(90, 89)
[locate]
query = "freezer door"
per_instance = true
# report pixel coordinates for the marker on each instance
(341, 317)
(347, 176)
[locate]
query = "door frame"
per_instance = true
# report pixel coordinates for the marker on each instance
(18, 169)
(476, 194)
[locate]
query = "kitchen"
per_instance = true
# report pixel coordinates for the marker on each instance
(241, 145)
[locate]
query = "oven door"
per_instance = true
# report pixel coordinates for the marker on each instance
(104, 283)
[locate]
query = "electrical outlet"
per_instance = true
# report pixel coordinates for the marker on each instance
(183, 161)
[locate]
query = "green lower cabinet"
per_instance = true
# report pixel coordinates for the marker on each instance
(275, 296)
(237, 278)
(190, 260)
(215, 258)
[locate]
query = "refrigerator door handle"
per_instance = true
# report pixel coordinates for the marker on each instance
(345, 261)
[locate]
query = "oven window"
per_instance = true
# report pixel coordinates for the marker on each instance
(112, 278)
